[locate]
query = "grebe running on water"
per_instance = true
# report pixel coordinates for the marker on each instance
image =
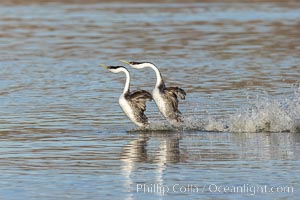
(165, 97)
(132, 103)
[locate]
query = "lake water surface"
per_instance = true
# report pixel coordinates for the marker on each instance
(64, 136)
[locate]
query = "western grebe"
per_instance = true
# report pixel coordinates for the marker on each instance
(132, 103)
(165, 97)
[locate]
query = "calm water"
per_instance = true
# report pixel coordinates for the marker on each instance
(64, 136)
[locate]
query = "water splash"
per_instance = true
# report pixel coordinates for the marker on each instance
(155, 125)
(269, 115)
(264, 114)
(211, 124)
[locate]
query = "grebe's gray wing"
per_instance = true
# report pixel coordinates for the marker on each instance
(139, 98)
(172, 93)
(171, 96)
(178, 91)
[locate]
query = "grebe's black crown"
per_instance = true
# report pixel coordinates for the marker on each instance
(115, 67)
(137, 63)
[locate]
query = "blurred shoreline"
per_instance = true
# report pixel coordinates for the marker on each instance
(140, 1)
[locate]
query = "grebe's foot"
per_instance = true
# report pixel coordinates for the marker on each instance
(177, 124)
(145, 126)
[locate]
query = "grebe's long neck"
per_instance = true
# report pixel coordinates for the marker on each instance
(127, 83)
(159, 80)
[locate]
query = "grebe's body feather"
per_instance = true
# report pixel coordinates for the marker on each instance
(132, 103)
(166, 99)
